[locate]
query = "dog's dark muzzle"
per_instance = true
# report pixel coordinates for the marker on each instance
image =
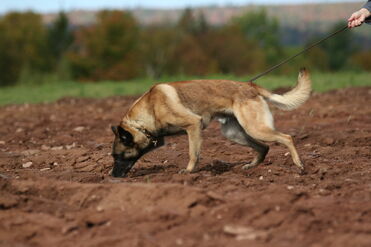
(121, 167)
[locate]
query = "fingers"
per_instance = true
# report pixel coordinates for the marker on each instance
(352, 21)
(355, 23)
(352, 17)
(350, 24)
(356, 20)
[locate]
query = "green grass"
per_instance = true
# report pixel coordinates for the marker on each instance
(48, 92)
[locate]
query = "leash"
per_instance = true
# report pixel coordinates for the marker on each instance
(368, 20)
(301, 52)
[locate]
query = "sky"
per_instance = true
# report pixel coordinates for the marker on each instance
(56, 5)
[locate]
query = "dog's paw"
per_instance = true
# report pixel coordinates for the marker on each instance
(184, 171)
(248, 166)
(303, 171)
(301, 168)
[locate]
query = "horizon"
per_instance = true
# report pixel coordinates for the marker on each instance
(44, 6)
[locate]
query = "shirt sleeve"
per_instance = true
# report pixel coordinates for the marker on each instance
(368, 5)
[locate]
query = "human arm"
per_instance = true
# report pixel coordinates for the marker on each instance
(368, 5)
(358, 17)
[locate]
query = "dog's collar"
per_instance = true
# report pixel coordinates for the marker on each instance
(153, 139)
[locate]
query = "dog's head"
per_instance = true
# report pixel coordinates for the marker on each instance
(128, 146)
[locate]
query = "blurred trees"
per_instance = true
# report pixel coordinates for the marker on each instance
(169, 50)
(108, 50)
(59, 38)
(317, 59)
(22, 46)
(363, 60)
(338, 49)
(158, 45)
(116, 47)
(233, 53)
(190, 56)
(264, 30)
(205, 50)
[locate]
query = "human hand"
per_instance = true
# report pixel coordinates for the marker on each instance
(357, 18)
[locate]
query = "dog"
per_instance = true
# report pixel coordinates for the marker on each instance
(189, 106)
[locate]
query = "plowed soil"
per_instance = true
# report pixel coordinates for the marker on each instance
(55, 188)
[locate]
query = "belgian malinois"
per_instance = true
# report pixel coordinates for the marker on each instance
(189, 106)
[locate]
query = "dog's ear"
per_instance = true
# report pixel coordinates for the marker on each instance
(114, 130)
(125, 136)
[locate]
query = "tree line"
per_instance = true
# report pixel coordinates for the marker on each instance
(116, 47)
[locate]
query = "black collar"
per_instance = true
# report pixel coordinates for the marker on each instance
(155, 141)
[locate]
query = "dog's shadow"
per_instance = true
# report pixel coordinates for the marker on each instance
(144, 171)
(217, 167)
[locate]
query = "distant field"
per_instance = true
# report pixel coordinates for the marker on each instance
(48, 92)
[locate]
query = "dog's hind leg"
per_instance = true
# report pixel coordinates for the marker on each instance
(262, 150)
(232, 130)
(256, 119)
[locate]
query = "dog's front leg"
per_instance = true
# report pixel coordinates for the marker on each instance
(195, 140)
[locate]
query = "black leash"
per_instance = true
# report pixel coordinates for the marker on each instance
(368, 20)
(294, 56)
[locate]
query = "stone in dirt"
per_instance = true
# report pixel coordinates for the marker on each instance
(27, 164)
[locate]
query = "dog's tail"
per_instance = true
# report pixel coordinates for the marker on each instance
(295, 97)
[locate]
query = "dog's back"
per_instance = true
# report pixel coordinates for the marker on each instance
(201, 96)
(212, 96)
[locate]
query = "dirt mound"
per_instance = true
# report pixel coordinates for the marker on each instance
(55, 189)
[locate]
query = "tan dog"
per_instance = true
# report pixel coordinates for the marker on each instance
(189, 106)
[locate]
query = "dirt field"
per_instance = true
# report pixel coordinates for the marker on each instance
(55, 189)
